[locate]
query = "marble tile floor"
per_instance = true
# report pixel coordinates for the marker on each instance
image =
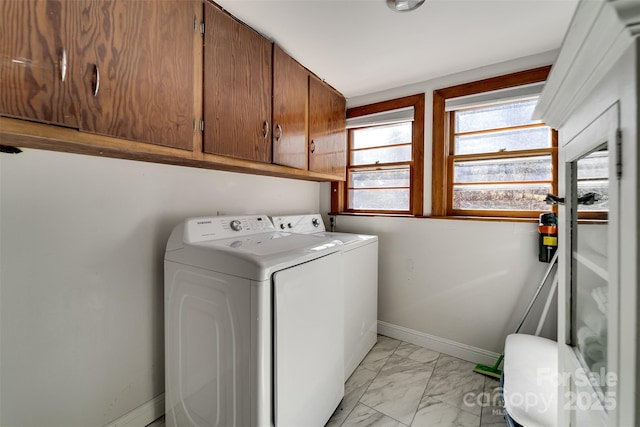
(399, 384)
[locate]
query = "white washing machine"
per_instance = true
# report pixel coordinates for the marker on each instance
(360, 253)
(253, 325)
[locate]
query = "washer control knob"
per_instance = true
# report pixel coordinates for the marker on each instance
(315, 222)
(289, 225)
(235, 225)
(282, 226)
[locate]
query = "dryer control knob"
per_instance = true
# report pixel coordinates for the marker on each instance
(235, 225)
(282, 226)
(315, 222)
(289, 225)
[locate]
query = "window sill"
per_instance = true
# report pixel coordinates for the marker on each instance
(459, 218)
(366, 214)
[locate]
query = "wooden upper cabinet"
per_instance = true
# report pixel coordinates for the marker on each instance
(36, 61)
(290, 110)
(237, 88)
(137, 70)
(327, 130)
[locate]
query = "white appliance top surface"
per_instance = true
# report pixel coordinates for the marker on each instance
(348, 238)
(313, 224)
(244, 246)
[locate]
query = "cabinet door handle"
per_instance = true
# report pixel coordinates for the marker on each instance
(96, 86)
(266, 129)
(63, 65)
(313, 146)
(279, 129)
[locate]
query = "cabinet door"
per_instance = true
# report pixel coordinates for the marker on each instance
(35, 61)
(290, 90)
(137, 70)
(327, 130)
(237, 88)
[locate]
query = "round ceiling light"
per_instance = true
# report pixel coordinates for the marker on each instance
(404, 5)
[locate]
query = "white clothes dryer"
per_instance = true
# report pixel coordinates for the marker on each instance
(360, 253)
(253, 325)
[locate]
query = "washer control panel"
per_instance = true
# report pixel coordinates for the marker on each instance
(223, 227)
(304, 224)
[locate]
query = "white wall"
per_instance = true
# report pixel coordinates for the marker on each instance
(81, 279)
(465, 281)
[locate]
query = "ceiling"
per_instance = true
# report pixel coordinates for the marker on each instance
(361, 46)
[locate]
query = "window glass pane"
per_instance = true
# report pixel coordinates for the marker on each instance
(496, 116)
(593, 177)
(521, 139)
(596, 165)
(380, 179)
(501, 197)
(392, 199)
(601, 188)
(500, 170)
(378, 136)
(381, 155)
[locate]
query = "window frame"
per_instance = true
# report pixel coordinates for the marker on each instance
(340, 190)
(443, 146)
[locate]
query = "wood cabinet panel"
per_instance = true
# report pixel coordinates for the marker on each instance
(327, 130)
(34, 47)
(237, 89)
(137, 70)
(290, 110)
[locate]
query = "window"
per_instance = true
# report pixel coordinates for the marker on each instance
(385, 160)
(490, 158)
(592, 180)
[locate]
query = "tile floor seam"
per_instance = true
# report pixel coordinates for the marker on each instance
(453, 406)
(359, 401)
(424, 393)
(384, 415)
(380, 371)
(370, 370)
(435, 366)
(484, 384)
(421, 397)
(484, 391)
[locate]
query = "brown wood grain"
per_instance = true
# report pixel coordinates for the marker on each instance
(20, 133)
(237, 88)
(327, 130)
(534, 75)
(33, 34)
(290, 110)
(417, 167)
(198, 49)
(144, 53)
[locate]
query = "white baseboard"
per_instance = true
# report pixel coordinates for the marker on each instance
(443, 345)
(142, 415)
